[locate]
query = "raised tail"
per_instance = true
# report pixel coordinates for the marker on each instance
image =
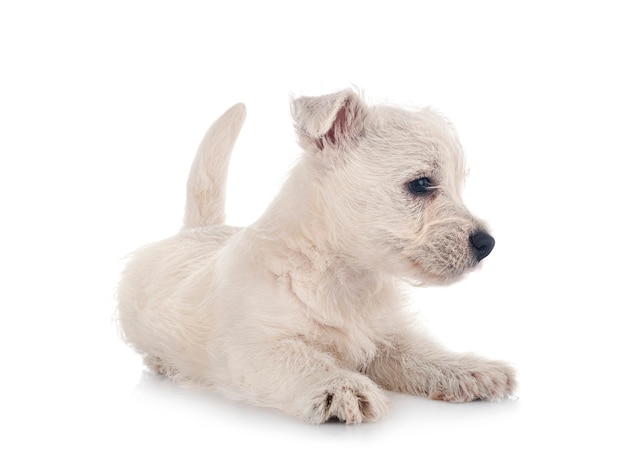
(206, 185)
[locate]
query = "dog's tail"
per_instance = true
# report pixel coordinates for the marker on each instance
(206, 185)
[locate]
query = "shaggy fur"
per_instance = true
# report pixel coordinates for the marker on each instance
(302, 311)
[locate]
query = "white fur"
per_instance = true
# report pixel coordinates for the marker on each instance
(301, 311)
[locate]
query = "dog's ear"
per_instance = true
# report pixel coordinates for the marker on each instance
(334, 121)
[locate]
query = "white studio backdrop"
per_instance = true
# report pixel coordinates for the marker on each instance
(102, 106)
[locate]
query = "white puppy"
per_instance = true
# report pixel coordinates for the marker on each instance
(302, 311)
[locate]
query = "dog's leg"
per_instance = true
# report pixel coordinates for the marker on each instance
(308, 383)
(417, 365)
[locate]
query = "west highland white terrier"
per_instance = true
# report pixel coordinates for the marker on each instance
(303, 310)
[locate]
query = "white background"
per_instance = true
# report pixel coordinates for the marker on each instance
(102, 106)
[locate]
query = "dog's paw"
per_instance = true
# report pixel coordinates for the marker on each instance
(474, 379)
(353, 400)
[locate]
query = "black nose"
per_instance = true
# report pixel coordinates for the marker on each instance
(483, 244)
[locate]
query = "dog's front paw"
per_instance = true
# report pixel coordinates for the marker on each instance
(353, 400)
(474, 379)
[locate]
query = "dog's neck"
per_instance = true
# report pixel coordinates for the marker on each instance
(296, 241)
(300, 218)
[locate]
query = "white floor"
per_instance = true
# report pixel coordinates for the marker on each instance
(101, 112)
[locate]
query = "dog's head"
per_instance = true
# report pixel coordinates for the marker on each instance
(389, 181)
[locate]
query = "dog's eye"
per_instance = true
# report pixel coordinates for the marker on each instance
(420, 186)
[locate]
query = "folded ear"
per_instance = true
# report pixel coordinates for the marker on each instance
(334, 121)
